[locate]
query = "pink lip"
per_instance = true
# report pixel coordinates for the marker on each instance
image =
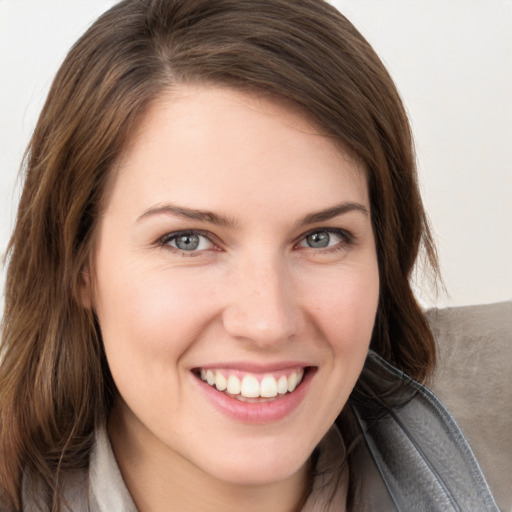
(257, 368)
(260, 412)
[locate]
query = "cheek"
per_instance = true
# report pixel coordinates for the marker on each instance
(151, 316)
(345, 306)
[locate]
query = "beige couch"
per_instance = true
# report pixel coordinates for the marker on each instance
(474, 380)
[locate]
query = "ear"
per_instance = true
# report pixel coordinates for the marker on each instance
(85, 288)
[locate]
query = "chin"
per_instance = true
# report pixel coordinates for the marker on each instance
(257, 465)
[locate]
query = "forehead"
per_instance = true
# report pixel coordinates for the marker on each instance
(224, 141)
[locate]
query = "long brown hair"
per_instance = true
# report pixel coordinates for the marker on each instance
(54, 380)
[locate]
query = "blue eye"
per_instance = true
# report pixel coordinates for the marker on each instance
(188, 241)
(323, 239)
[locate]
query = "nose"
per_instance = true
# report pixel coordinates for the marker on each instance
(262, 307)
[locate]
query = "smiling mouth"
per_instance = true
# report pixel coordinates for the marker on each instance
(252, 387)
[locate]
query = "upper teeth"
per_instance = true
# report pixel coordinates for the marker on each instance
(252, 385)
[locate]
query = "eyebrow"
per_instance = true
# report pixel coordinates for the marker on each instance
(334, 211)
(188, 213)
(214, 218)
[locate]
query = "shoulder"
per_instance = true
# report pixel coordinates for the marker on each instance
(419, 451)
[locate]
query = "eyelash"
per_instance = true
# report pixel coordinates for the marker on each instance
(347, 240)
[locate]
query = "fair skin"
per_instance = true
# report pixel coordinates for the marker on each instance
(235, 239)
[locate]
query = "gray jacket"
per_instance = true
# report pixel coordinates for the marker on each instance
(415, 456)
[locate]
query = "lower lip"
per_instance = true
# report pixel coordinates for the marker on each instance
(257, 412)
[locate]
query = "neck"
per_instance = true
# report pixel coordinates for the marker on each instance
(156, 477)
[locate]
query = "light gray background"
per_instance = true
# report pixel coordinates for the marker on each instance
(452, 62)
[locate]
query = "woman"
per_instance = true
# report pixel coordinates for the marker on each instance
(209, 270)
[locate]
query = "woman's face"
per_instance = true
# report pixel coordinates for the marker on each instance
(235, 252)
